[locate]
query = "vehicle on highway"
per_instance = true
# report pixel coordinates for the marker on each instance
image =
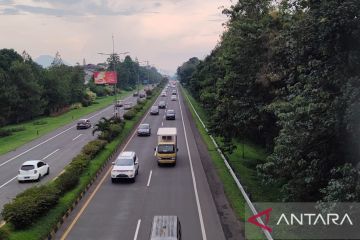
(154, 110)
(135, 94)
(166, 149)
(162, 104)
(33, 170)
(142, 95)
(128, 105)
(165, 228)
(170, 114)
(163, 94)
(144, 130)
(83, 124)
(173, 92)
(119, 103)
(126, 166)
(173, 98)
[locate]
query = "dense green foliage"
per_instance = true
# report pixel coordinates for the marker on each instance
(130, 73)
(27, 90)
(286, 76)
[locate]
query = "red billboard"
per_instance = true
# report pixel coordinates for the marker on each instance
(105, 77)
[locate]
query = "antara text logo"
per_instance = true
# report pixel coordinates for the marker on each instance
(308, 219)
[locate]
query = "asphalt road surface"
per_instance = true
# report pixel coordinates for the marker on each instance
(56, 148)
(125, 210)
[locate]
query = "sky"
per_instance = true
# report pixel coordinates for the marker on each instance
(164, 32)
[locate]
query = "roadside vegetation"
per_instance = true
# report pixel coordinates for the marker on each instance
(285, 76)
(35, 100)
(34, 213)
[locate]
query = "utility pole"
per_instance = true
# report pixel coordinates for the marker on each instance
(113, 54)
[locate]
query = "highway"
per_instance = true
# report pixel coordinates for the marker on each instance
(56, 148)
(125, 210)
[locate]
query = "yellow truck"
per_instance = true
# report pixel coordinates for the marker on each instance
(166, 149)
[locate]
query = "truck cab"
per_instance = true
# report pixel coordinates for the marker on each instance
(166, 150)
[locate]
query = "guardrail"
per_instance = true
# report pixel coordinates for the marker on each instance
(241, 188)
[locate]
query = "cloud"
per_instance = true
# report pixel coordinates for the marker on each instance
(179, 30)
(79, 8)
(9, 11)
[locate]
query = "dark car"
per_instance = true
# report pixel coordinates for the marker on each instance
(162, 104)
(144, 130)
(154, 110)
(170, 114)
(142, 95)
(83, 124)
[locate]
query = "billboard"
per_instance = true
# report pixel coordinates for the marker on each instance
(105, 77)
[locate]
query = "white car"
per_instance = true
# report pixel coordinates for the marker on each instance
(173, 97)
(163, 94)
(33, 170)
(128, 106)
(126, 166)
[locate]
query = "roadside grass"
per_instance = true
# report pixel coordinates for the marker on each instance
(44, 226)
(244, 168)
(40, 126)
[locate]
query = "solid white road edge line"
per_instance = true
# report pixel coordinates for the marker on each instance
(77, 137)
(137, 229)
(193, 177)
(51, 154)
(148, 183)
(242, 190)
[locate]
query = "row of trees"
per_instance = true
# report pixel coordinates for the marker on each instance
(287, 76)
(27, 90)
(130, 73)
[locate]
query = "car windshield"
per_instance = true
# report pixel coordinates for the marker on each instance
(144, 126)
(124, 162)
(170, 112)
(166, 149)
(82, 121)
(154, 108)
(27, 167)
(161, 103)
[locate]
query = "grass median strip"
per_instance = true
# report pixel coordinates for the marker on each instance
(45, 224)
(245, 167)
(31, 130)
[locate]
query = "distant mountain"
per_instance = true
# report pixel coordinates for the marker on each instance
(46, 60)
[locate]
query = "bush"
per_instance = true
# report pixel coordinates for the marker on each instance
(4, 233)
(93, 147)
(67, 181)
(129, 114)
(5, 132)
(29, 206)
(138, 107)
(148, 92)
(17, 129)
(40, 122)
(75, 106)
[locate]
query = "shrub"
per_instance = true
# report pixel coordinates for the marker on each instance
(29, 206)
(40, 122)
(129, 114)
(93, 147)
(17, 129)
(67, 181)
(76, 106)
(138, 107)
(148, 92)
(4, 233)
(5, 132)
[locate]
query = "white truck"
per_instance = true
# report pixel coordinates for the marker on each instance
(166, 150)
